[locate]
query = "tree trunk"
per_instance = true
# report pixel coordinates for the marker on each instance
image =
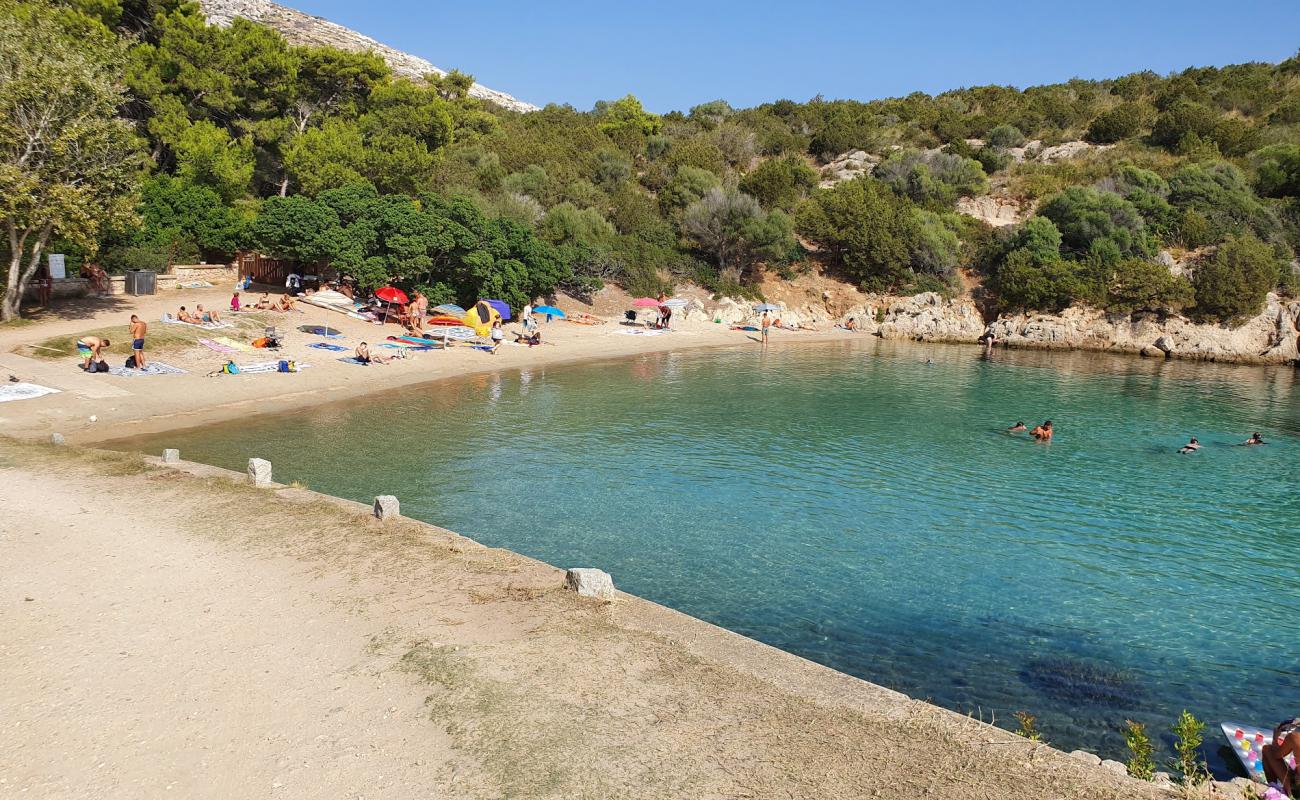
(284, 186)
(20, 276)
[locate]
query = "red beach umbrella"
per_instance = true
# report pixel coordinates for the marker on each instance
(645, 302)
(391, 294)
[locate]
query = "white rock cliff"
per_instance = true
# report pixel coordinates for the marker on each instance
(304, 29)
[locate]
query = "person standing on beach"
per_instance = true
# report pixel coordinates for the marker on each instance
(528, 317)
(764, 325)
(138, 329)
(498, 336)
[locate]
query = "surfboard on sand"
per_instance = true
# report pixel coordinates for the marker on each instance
(1247, 742)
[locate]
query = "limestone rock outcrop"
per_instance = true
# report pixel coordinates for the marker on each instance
(305, 29)
(1271, 337)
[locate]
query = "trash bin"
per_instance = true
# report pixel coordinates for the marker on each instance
(141, 281)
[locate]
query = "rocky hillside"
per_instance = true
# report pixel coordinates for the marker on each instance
(304, 29)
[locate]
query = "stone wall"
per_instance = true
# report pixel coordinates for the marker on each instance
(215, 274)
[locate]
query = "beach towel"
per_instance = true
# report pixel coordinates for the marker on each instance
(417, 348)
(640, 332)
(260, 367)
(326, 346)
(487, 348)
(354, 360)
(218, 346)
(234, 345)
(207, 326)
(156, 368)
(23, 391)
(194, 285)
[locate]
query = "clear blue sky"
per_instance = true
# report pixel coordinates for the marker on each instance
(674, 54)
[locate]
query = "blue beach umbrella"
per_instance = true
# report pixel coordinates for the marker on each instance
(766, 307)
(550, 311)
(450, 308)
(676, 302)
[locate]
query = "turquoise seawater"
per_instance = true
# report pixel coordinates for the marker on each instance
(863, 508)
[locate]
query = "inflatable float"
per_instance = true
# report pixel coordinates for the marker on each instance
(1248, 743)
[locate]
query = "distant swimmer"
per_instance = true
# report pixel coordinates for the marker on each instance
(1043, 433)
(1017, 428)
(1255, 438)
(1190, 447)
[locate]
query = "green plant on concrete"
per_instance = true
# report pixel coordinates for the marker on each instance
(1028, 726)
(1140, 763)
(1189, 734)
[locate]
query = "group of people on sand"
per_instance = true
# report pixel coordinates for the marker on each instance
(1195, 444)
(264, 303)
(91, 348)
(1041, 433)
(199, 316)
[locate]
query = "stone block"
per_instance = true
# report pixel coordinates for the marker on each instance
(387, 506)
(1086, 757)
(171, 456)
(57, 438)
(259, 472)
(1116, 767)
(591, 583)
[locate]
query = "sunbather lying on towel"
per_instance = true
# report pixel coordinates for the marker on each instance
(532, 340)
(207, 316)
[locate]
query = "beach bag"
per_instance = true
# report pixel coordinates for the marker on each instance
(267, 342)
(98, 366)
(287, 366)
(230, 368)
(130, 362)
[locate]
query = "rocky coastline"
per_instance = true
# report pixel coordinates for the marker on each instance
(1271, 337)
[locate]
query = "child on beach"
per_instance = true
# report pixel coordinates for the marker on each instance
(234, 302)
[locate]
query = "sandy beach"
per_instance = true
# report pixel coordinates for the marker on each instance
(176, 632)
(128, 406)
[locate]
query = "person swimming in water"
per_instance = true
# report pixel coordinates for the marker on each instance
(1255, 438)
(1190, 447)
(1043, 433)
(1017, 428)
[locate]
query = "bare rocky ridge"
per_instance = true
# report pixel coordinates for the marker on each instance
(304, 29)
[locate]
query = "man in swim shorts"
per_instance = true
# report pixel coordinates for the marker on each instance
(138, 329)
(89, 347)
(764, 325)
(1286, 742)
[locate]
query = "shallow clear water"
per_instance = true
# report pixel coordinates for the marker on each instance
(855, 505)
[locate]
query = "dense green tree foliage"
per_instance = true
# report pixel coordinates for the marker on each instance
(324, 156)
(68, 163)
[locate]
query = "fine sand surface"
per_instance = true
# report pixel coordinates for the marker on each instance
(173, 632)
(129, 406)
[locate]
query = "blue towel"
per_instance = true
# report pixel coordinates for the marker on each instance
(353, 360)
(324, 346)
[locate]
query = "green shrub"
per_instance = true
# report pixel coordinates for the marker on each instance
(1231, 285)
(780, 182)
(1140, 764)
(930, 177)
(1139, 285)
(993, 159)
(871, 232)
(1278, 170)
(1085, 215)
(1021, 282)
(1121, 122)
(1004, 136)
(118, 260)
(1189, 734)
